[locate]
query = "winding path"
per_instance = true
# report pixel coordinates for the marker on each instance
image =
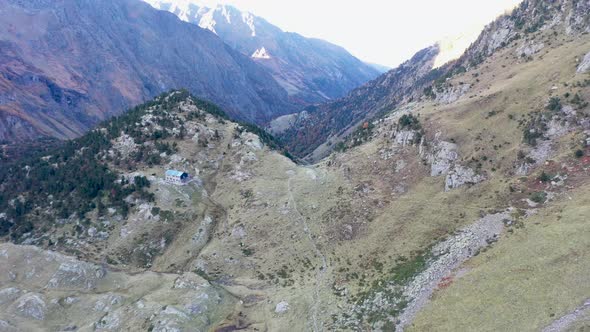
(320, 275)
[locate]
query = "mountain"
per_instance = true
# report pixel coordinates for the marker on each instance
(317, 123)
(66, 65)
(312, 132)
(311, 70)
(464, 207)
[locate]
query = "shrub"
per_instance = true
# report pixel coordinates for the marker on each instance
(539, 197)
(141, 182)
(554, 104)
(579, 153)
(429, 92)
(409, 121)
(544, 177)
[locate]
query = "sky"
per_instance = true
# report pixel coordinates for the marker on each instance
(380, 31)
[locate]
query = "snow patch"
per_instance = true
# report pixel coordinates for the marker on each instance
(249, 20)
(261, 53)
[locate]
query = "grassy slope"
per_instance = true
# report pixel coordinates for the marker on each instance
(538, 274)
(527, 280)
(358, 229)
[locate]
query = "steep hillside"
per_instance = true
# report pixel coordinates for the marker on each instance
(315, 129)
(66, 65)
(435, 207)
(450, 212)
(311, 70)
(317, 123)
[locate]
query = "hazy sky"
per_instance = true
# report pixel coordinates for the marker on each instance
(379, 31)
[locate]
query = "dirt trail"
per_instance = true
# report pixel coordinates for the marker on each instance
(320, 274)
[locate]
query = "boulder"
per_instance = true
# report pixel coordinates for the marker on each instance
(405, 137)
(282, 307)
(76, 274)
(32, 305)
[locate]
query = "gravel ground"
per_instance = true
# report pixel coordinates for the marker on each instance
(450, 255)
(563, 323)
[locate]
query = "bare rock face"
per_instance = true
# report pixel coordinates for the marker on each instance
(76, 274)
(443, 161)
(9, 294)
(32, 305)
(453, 94)
(442, 158)
(405, 137)
(529, 48)
(460, 176)
(576, 19)
(56, 292)
(110, 322)
(281, 307)
(584, 66)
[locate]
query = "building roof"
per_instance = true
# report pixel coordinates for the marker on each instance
(173, 172)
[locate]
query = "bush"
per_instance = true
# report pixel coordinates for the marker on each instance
(544, 177)
(429, 92)
(534, 130)
(579, 153)
(340, 147)
(539, 197)
(409, 121)
(554, 104)
(141, 182)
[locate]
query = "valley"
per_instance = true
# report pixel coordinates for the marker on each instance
(443, 200)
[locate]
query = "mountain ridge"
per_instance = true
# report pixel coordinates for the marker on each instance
(471, 194)
(112, 64)
(310, 69)
(308, 135)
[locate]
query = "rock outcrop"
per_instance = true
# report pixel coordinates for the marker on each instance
(460, 176)
(84, 294)
(452, 94)
(584, 65)
(443, 161)
(529, 48)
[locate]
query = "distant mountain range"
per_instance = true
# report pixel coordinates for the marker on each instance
(67, 65)
(310, 70)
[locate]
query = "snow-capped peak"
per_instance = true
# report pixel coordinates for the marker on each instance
(206, 17)
(207, 20)
(225, 12)
(184, 9)
(261, 54)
